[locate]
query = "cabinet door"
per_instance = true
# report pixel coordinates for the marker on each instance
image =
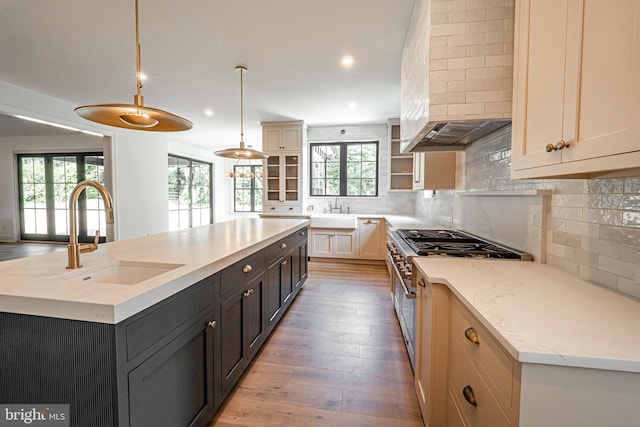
(274, 303)
(255, 325)
(273, 174)
(541, 35)
(271, 137)
(300, 265)
(345, 244)
(286, 279)
(175, 385)
(602, 89)
(282, 138)
(320, 241)
(370, 232)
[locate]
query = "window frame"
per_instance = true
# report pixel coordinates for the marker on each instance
(82, 211)
(252, 189)
(190, 208)
(343, 167)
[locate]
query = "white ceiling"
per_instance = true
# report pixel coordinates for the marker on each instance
(83, 51)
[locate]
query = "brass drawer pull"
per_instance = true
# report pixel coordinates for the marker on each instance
(422, 282)
(247, 268)
(283, 246)
(248, 293)
(284, 262)
(302, 233)
(467, 392)
(212, 324)
(472, 335)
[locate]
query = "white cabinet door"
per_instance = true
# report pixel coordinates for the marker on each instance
(332, 243)
(576, 83)
(281, 136)
(371, 238)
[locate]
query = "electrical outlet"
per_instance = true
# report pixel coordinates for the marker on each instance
(450, 220)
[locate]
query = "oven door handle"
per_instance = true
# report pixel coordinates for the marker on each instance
(408, 294)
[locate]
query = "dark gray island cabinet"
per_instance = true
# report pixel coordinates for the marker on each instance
(169, 365)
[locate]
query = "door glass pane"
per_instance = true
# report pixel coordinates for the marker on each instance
(65, 177)
(33, 190)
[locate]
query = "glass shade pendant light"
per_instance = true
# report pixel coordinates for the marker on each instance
(241, 152)
(134, 116)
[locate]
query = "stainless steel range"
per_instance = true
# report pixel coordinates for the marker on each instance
(405, 244)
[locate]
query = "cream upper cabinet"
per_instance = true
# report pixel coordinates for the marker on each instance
(434, 170)
(282, 136)
(576, 88)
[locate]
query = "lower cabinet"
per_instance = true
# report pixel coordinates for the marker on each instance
(175, 386)
(242, 329)
(333, 243)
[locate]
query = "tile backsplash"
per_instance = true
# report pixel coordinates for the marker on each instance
(593, 228)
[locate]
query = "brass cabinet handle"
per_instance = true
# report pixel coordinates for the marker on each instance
(284, 262)
(560, 145)
(467, 392)
(247, 268)
(472, 335)
(212, 324)
(422, 282)
(302, 233)
(248, 293)
(283, 246)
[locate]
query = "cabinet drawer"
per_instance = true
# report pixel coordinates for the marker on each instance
(162, 322)
(497, 367)
(241, 273)
(281, 247)
(463, 374)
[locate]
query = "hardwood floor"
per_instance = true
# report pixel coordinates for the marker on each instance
(337, 358)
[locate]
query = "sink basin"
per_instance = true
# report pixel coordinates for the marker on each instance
(348, 221)
(119, 272)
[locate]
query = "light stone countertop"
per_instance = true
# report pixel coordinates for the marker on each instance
(29, 285)
(544, 315)
(395, 221)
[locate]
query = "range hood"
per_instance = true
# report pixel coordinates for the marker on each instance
(456, 79)
(453, 135)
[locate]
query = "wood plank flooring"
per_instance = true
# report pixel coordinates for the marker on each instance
(337, 358)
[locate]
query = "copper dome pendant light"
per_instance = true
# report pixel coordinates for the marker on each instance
(241, 152)
(134, 116)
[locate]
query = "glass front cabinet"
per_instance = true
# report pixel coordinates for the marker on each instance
(283, 192)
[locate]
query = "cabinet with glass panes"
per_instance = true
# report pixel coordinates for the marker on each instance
(283, 174)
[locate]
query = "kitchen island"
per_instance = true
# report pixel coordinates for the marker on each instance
(520, 343)
(164, 350)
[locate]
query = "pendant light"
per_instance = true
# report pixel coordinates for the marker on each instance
(134, 116)
(241, 152)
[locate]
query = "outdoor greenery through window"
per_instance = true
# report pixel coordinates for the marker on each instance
(247, 184)
(45, 182)
(190, 193)
(344, 169)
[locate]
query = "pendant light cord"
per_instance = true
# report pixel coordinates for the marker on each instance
(242, 70)
(138, 78)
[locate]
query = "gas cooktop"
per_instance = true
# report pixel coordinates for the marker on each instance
(457, 243)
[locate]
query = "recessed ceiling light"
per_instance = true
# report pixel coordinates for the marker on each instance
(347, 61)
(208, 112)
(353, 105)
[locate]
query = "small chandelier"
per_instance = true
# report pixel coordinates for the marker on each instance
(249, 175)
(241, 152)
(134, 116)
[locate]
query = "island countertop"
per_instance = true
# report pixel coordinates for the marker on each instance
(541, 314)
(32, 285)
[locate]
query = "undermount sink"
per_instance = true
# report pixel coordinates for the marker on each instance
(119, 272)
(348, 221)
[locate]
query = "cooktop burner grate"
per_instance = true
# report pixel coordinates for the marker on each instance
(456, 243)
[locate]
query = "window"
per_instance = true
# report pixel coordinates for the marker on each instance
(344, 169)
(45, 182)
(190, 193)
(247, 184)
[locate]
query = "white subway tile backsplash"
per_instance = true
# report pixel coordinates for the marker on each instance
(593, 225)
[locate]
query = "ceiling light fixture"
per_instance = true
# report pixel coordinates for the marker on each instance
(347, 61)
(134, 116)
(241, 152)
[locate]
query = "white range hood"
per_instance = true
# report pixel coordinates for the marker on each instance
(457, 73)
